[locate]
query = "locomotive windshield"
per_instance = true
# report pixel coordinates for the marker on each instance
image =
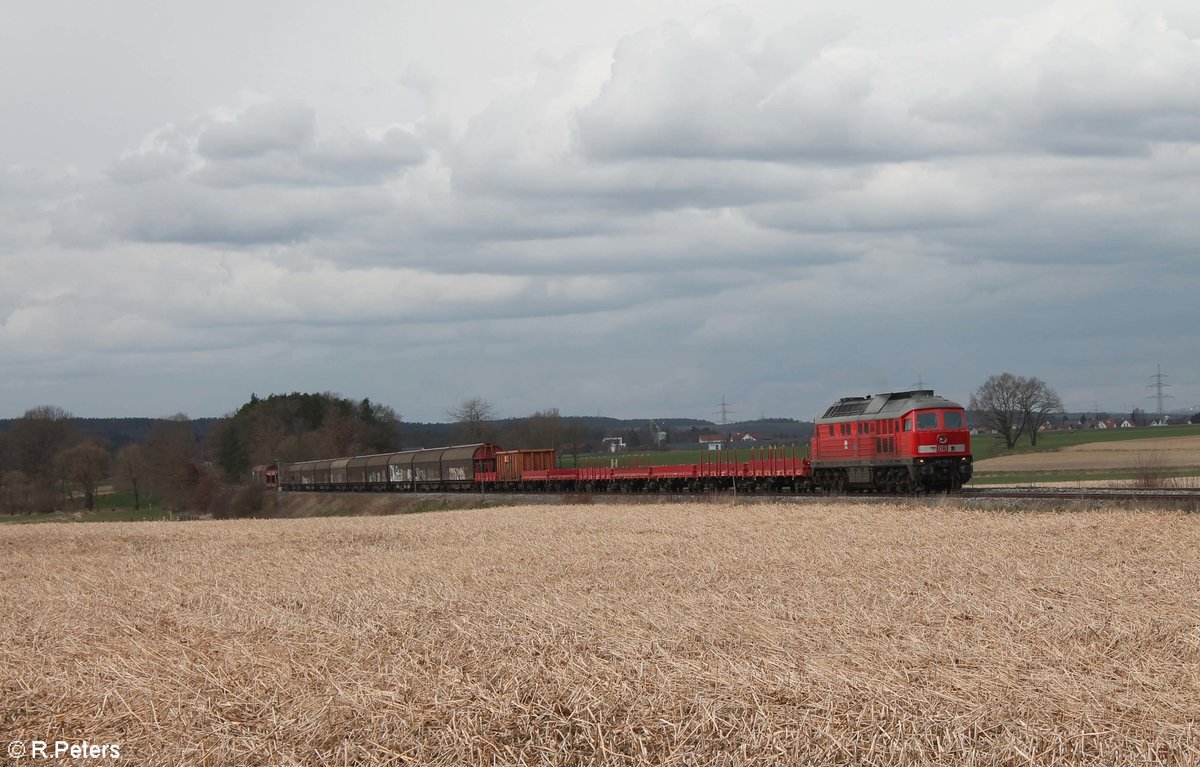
(951, 419)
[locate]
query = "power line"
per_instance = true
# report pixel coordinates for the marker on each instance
(1158, 387)
(723, 411)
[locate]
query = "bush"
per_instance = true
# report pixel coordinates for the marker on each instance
(206, 492)
(246, 502)
(1150, 473)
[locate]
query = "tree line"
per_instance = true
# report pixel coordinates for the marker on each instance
(476, 421)
(48, 463)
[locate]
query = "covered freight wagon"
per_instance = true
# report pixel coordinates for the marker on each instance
(442, 468)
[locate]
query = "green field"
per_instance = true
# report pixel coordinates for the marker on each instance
(110, 507)
(992, 446)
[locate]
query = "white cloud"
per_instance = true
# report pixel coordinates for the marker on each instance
(1073, 79)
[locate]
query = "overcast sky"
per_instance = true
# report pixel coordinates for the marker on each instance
(626, 208)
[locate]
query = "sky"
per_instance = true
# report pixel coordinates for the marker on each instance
(632, 208)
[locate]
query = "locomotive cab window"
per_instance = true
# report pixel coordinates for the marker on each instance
(908, 424)
(927, 421)
(952, 419)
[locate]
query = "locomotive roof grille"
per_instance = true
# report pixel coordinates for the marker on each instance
(852, 406)
(847, 408)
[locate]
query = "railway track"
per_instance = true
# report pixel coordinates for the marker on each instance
(1188, 498)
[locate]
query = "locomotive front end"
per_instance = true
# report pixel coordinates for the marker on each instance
(941, 447)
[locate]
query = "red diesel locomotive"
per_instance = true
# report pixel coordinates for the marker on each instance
(897, 442)
(900, 442)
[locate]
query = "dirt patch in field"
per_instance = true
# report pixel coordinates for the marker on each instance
(1160, 452)
(692, 634)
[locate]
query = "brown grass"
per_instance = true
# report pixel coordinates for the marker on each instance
(687, 635)
(1150, 474)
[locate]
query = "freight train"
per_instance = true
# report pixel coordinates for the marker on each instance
(902, 442)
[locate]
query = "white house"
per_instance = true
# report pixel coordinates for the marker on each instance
(614, 444)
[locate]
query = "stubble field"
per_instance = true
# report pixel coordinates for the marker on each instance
(697, 634)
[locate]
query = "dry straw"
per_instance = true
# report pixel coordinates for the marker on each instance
(588, 635)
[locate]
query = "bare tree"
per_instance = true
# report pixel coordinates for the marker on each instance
(541, 430)
(998, 404)
(35, 439)
(575, 438)
(16, 492)
(129, 472)
(1038, 401)
(474, 416)
(84, 466)
(171, 453)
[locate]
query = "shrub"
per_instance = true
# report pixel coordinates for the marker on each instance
(247, 502)
(1150, 474)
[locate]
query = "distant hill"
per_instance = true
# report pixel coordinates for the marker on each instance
(118, 432)
(682, 431)
(765, 429)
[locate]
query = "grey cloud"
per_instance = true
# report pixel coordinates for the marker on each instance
(178, 211)
(367, 159)
(273, 143)
(263, 177)
(277, 126)
(26, 194)
(657, 183)
(196, 215)
(342, 161)
(152, 165)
